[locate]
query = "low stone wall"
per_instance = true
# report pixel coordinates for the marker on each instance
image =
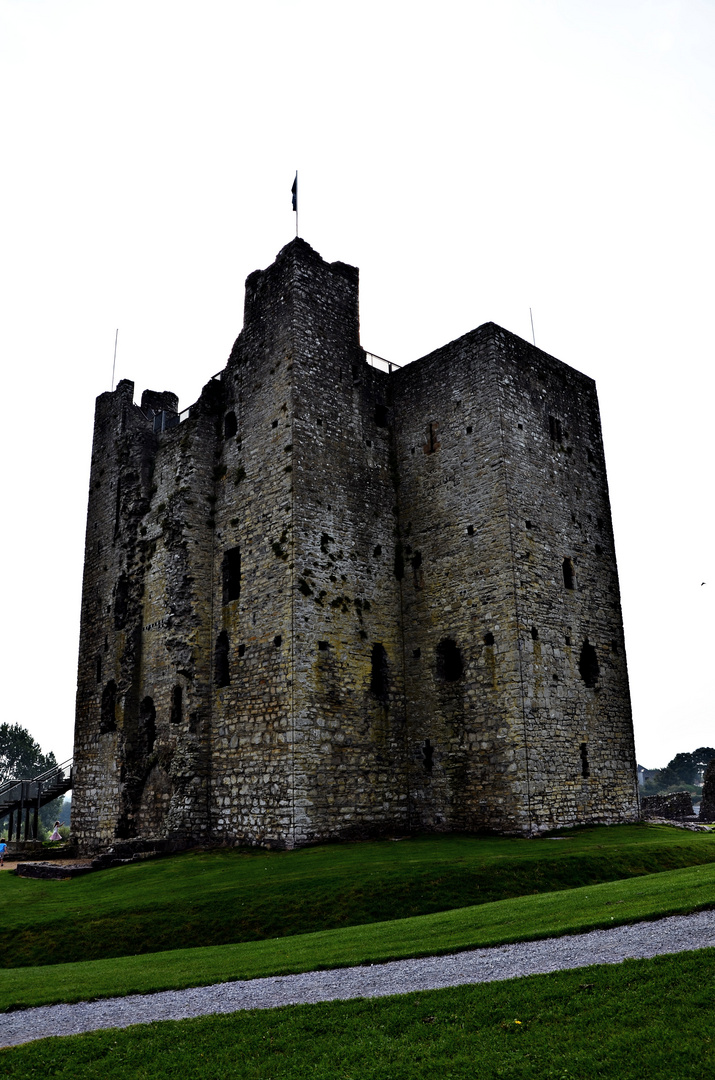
(35, 850)
(120, 854)
(47, 871)
(707, 803)
(678, 805)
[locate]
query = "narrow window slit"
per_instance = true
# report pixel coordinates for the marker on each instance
(379, 673)
(222, 674)
(585, 771)
(177, 696)
(567, 568)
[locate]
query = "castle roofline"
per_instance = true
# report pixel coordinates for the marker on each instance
(299, 250)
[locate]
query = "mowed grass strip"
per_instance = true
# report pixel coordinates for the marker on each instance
(642, 1018)
(225, 896)
(521, 919)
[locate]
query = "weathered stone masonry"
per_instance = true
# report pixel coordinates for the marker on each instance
(332, 602)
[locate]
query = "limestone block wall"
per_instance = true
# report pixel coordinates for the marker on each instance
(677, 805)
(467, 757)
(141, 734)
(574, 681)
(510, 568)
(252, 748)
(348, 659)
(97, 757)
(332, 602)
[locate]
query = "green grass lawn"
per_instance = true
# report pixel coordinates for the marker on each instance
(227, 896)
(639, 1019)
(257, 914)
(520, 919)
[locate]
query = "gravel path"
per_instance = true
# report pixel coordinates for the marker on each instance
(679, 933)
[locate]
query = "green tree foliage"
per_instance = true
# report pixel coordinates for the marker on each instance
(683, 773)
(22, 759)
(20, 756)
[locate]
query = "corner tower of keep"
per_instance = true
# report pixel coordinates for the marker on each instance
(327, 601)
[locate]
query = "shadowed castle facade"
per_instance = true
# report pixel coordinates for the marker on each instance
(328, 601)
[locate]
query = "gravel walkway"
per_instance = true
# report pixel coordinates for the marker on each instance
(679, 933)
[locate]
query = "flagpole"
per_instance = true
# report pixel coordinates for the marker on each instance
(114, 362)
(294, 193)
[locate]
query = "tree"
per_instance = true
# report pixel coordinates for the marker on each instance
(20, 756)
(683, 773)
(22, 759)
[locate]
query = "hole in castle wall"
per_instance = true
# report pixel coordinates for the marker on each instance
(222, 675)
(379, 675)
(117, 509)
(241, 650)
(567, 568)
(585, 771)
(432, 444)
(176, 705)
(323, 646)
(377, 551)
(588, 664)
(381, 414)
(277, 641)
(470, 530)
(469, 430)
(417, 653)
(121, 602)
(555, 429)
(274, 424)
(427, 756)
(107, 715)
(231, 572)
(98, 668)
(230, 425)
(534, 633)
(147, 721)
(489, 638)
(450, 666)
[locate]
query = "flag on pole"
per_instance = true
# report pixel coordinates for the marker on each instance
(294, 192)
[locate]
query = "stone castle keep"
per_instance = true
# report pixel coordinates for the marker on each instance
(328, 602)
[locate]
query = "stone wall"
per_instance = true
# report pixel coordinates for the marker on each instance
(677, 805)
(707, 803)
(335, 602)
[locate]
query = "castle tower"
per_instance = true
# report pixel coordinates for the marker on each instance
(330, 602)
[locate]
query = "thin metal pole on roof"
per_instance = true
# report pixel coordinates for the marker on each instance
(533, 335)
(114, 362)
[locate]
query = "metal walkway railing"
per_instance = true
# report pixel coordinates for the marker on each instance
(24, 798)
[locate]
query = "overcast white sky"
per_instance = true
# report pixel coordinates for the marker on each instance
(473, 157)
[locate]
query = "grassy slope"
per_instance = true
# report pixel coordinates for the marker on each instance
(519, 919)
(219, 897)
(638, 1019)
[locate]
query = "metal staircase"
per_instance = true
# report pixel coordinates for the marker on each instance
(24, 798)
